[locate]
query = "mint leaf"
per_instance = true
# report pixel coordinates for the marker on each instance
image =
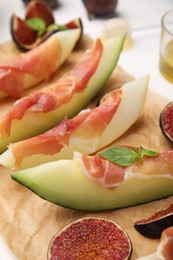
(124, 156)
(57, 27)
(37, 24)
(120, 155)
(145, 152)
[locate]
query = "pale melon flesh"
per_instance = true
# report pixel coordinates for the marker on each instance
(22, 129)
(64, 183)
(133, 99)
(66, 40)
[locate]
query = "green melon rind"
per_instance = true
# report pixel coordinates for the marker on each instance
(134, 92)
(63, 183)
(22, 129)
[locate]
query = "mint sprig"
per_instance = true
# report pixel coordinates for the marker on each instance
(57, 27)
(37, 24)
(124, 156)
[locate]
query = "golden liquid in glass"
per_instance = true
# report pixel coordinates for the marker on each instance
(127, 43)
(166, 62)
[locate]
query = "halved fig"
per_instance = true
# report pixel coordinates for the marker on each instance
(90, 238)
(76, 23)
(27, 38)
(154, 225)
(24, 37)
(39, 9)
(101, 8)
(73, 24)
(52, 3)
(166, 121)
(38, 25)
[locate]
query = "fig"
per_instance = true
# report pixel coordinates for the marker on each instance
(154, 225)
(38, 25)
(73, 24)
(76, 23)
(100, 7)
(90, 238)
(166, 121)
(52, 3)
(24, 37)
(41, 10)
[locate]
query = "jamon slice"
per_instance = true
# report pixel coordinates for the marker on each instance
(92, 183)
(87, 132)
(165, 248)
(65, 98)
(38, 64)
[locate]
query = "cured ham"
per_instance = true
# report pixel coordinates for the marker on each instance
(93, 183)
(110, 174)
(65, 98)
(101, 171)
(61, 92)
(165, 247)
(36, 65)
(88, 123)
(82, 133)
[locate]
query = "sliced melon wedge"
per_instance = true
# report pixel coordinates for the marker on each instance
(133, 99)
(66, 183)
(86, 137)
(21, 128)
(34, 66)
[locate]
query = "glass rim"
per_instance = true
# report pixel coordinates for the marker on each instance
(163, 22)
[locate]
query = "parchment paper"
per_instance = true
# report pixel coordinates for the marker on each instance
(28, 222)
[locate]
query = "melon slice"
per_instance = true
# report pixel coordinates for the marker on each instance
(91, 183)
(88, 132)
(64, 98)
(34, 66)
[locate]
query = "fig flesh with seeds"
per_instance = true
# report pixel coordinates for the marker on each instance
(41, 10)
(90, 238)
(154, 225)
(166, 121)
(24, 37)
(72, 24)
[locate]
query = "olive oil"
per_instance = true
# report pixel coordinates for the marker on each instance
(166, 61)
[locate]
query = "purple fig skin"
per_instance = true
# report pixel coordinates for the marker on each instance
(100, 7)
(39, 9)
(52, 3)
(166, 121)
(154, 226)
(23, 36)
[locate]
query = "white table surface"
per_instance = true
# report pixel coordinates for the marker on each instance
(144, 19)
